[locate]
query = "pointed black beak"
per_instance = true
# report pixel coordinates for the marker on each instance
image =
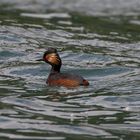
(40, 60)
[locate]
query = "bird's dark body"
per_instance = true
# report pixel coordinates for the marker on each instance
(66, 79)
(56, 78)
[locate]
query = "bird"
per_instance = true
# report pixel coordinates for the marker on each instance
(58, 78)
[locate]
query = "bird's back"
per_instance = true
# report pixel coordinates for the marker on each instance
(66, 80)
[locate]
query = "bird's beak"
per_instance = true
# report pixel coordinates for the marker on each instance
(40, 60)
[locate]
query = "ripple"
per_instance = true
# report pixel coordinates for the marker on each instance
(46, 16)
(76, 130)
(105, 8)
(126, 127)
(15, 136)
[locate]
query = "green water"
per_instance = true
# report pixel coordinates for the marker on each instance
(94, 42)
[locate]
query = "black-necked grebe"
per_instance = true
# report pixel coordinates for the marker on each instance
(56, 78)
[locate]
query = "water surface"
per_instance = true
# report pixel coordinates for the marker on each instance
(101, 45)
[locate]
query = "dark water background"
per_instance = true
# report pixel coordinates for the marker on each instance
(99, 39)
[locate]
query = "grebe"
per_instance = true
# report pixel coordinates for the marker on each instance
(56, 78)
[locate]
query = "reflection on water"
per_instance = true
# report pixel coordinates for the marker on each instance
(103, 49)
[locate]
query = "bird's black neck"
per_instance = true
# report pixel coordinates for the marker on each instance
(55, 68)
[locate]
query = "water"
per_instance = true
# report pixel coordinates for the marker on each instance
(100, 41)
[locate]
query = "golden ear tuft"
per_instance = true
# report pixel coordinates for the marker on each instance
(53, 58)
